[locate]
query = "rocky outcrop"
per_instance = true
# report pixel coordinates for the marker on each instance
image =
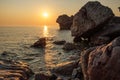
(102, 62)
(12, 70)
(95, 22)
(41, 43)
(89, 18)
(64, 22)
(110, 31)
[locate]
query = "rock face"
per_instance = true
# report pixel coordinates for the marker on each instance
(11, 70)
(89, 18)
(40, 43)
(64, 22)
(102, 62)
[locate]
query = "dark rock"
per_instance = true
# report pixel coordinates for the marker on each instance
(41, 76)
(77, 73)
(64, 22)
(41, 43)
(102, 62)
(65, 68)
(110, 31)
(59, 42)
(69, 46)
(59, 78)
(12, 70)
(90, 18)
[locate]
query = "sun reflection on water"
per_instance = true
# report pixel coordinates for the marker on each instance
(45, 31)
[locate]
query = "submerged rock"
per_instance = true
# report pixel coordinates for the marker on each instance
(12, 70)
(102, 62)
(41, 43)
(89, 18)
(59, 42)
(65, 68)
(69, 46)
(64, 22)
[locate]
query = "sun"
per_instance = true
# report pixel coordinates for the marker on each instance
(45, 14)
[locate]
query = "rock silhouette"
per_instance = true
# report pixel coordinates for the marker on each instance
(41, 43)
(64, 22)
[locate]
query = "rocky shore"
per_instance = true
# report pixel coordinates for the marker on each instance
(96, 32)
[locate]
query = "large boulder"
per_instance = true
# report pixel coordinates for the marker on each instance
(64, 22)
(102, 62)
(13, 70)
(110, 31)
(90, 18)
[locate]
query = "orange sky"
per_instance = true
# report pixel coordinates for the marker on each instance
(30, 12)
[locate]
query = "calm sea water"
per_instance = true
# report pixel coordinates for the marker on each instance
(16, 41)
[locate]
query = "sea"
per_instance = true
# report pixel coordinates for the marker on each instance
(15, 43)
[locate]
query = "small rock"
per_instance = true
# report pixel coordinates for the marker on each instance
(65, 68)
(69, 46)
(59, 78)
(41, 76)
(41, 43)
(77, 73)
(59, 42)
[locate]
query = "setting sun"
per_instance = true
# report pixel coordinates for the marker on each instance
(45, 14)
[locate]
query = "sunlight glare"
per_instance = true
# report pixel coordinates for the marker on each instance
(45, 31)
(45, 14)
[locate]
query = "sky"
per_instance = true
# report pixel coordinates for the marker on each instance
(30, 12)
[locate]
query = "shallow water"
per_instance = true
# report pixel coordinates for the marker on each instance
(17, 41)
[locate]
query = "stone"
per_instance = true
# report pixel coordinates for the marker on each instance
(69, 46)
(41, 76)
(90, 19)
(41, 43)
(65, 68)
(59, 42)
(64, 22)
(110, 31)
(13, 70)
(102, 62)
(77, 73)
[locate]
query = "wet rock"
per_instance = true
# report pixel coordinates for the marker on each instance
(64, 22)
(69, 46)
(65, 68)
(41, 43)
(73, 57)
(90, 18)
(12, 70)
(59, 42)
(59, 78)
(102, 62)
(77, 74)
(41, 76)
